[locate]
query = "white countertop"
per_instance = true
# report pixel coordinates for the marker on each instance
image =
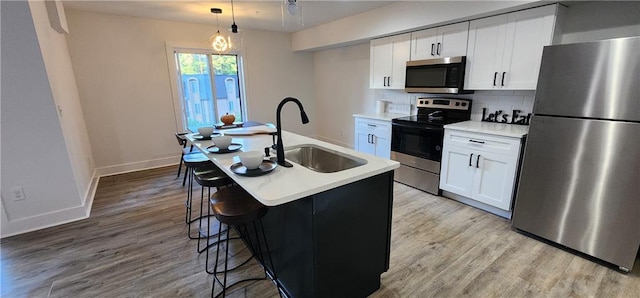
(284, 185)
(380, 116)
(500, 129)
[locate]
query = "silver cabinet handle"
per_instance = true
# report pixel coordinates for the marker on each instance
(503, 75)
(372, 125)
(470, 157)
(432, 48)
(438, 49)
(495, 76)
(478, 161)
(474, 141)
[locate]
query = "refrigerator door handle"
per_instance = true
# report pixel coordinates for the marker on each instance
(470, 157)
(478, 161)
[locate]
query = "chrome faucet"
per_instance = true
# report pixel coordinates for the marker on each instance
(279, 146)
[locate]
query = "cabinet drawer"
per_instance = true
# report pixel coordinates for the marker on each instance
(483, 142)
(379, 128)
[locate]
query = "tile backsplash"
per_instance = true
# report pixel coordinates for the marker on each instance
(507, 101)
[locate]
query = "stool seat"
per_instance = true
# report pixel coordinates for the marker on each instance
(234, 206)
(195, 159)
(211, 176)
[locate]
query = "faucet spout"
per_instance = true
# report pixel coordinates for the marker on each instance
(279, 145)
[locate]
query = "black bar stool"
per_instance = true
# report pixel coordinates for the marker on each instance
(208, 176)
(235, 207)
(191, 162)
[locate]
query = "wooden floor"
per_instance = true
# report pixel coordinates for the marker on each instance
(135, 245)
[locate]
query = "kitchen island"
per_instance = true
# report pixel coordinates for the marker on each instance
(329, 233)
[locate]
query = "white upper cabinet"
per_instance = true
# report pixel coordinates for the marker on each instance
(388, 60)
(505, 51)
(445, 41)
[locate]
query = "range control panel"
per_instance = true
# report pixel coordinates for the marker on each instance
(444, 103)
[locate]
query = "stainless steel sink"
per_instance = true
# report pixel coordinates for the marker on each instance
(321, 159)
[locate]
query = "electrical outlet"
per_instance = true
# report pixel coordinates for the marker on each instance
(18, 193)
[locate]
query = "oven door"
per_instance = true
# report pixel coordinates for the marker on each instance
(417, 140)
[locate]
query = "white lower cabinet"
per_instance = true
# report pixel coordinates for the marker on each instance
(480, 167)
(373, 137)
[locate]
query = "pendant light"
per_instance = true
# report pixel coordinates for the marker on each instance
(293, 13)
(219, 43)
(235, 37)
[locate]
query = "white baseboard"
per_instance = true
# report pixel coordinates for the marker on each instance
(58, 217)
(137, 166)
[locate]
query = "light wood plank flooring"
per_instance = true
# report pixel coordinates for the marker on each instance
(134, 245)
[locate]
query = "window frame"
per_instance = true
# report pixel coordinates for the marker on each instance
(176, 85)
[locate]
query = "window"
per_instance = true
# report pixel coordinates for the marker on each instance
(210, 88)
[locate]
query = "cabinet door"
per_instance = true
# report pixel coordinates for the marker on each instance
(364, 142)
(527, 33)
(452, 40)
(401, 51)
(423, 44)
(380, 63)
(494, 179)
(383, 146)
(484, 52)
(457, 170)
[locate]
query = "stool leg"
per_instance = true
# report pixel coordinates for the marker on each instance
(184, 179)
(226, 264)
(215, 268)
(187, 217)
(180, 166)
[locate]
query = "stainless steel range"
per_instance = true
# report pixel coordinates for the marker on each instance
(416, 141)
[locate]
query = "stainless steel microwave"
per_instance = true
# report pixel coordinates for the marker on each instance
(442, 75)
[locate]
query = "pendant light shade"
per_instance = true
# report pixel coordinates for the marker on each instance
(219, 43)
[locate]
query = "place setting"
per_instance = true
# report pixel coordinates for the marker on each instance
(205, 134)
(252, 164)
(223, 144)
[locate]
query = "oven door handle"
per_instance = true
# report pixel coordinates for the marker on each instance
(418, 127)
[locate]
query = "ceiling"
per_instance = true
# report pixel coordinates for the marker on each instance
(259, 15)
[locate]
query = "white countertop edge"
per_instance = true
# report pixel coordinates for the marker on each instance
(284, 185)
(312, 191)
(493, 128)
(380, 116)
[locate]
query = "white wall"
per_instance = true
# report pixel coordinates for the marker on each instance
(342, 89)
(123, 78)
(601, 20)
(35, 141)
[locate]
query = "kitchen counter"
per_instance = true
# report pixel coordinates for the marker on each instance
(284, 185)
(380, 116)
(329, 233)
(493, 128)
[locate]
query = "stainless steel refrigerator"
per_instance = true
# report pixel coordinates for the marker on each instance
(580, 178)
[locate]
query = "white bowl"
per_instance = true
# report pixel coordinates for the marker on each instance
(222, 142)
(205, 131)
(251, 159)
